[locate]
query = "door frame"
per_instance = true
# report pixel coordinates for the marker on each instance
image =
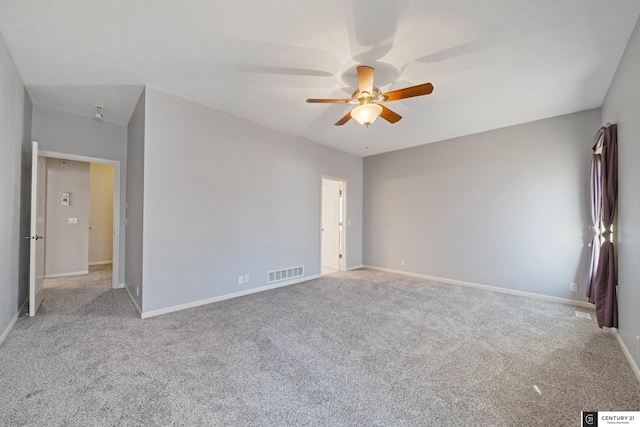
(115, 276)
(36, 256)
(345, 221)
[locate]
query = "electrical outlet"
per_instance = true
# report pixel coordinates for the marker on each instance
(573, 287)
(637, 344)
(137, 291)
(401, 262)
(240, 280)
(246, 278)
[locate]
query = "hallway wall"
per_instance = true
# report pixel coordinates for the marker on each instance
(100, 213)
(67, 244)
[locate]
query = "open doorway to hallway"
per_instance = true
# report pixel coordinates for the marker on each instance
(79, 226)
(333, 236)
(80, 207)
(64, 197)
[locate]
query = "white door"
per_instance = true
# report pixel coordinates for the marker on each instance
(331, 224)
(38, 201)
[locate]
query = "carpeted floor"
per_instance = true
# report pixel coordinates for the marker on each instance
(361, 348)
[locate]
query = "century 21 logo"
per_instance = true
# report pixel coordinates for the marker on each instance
(589, 419)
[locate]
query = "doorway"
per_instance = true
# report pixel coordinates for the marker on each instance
(102, 228)
(79, 217)
(333, 230)
(38, 220)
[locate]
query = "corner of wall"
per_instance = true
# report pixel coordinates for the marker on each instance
(15, 116)
(25, 198)
(622, 106)
(134, 202)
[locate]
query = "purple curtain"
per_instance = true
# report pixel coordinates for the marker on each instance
(602, 287)
(596, 210)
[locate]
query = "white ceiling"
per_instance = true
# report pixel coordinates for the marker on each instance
(493, 63)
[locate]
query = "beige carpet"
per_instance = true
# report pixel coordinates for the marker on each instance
(361, 348)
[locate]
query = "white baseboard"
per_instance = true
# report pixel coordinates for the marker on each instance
(133, 300)
(72, 273)
(486, 287)
(627, 354)
(152, 313)
(101, 262)
(355, 267)
(8, 329)
(5, 333)
(118, 286)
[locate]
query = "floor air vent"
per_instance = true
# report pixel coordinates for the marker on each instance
(287, 273)
(583, 315)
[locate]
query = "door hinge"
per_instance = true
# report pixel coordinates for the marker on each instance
(340, 256)
(341, 192)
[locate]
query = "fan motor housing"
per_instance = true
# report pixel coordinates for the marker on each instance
(368, 98)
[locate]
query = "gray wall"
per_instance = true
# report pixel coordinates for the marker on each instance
(67, 245)
(225, 197)
(15, 108)
(25, 199)
(68, 133)
(135, 200)
(622, 106)
(506, 208)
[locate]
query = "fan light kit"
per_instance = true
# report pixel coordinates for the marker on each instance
(98, 114)
(369, 99)
(366, 114)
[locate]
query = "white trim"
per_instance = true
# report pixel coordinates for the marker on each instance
(116, 203)
(120, 286)
(133, 300)
(115, 256)
(486, 287)
(13, 322)
(355, 267)
(75, 157)
(101, 262)
(152, 313)
(71, 273)
(627, 354)
(6, 331)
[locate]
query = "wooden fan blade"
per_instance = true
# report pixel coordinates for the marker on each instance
(365, 79)
(409, 92)
(344, 120)
(390, 116)
(328, 101)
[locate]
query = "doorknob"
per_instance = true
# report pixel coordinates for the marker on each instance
(39, 237)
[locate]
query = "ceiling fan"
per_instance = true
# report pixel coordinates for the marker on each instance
(370, 98)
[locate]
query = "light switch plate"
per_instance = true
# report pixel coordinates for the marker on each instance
(73, 220)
